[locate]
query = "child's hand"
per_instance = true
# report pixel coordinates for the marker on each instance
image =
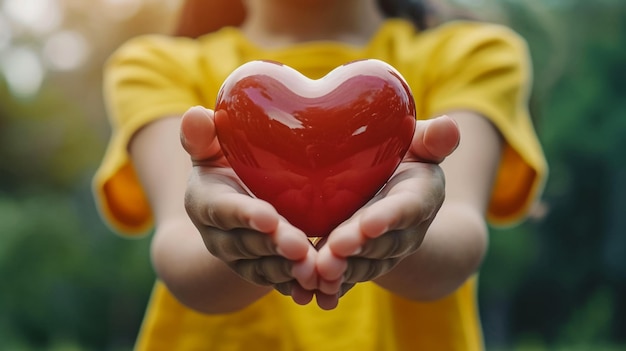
(263, 248)
(245, 233)
(393, 224)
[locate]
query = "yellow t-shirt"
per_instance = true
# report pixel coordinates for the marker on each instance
(459, 65)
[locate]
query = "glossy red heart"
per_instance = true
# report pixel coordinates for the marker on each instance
(317, 150)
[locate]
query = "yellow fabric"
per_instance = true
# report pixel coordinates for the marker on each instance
(460, 65)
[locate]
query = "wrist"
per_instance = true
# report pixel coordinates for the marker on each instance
(196, 278)
(451, 252)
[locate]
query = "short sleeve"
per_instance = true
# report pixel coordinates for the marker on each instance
(486, 68)
(144, 80)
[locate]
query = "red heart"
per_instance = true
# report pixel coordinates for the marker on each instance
(317, 150)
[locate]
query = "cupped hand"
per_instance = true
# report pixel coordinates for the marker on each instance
(244, 232)
(393, 224)
(262, 247)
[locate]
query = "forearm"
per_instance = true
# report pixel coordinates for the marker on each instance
(195, 277)
(456, 242)
(452, 251)
(180, 258)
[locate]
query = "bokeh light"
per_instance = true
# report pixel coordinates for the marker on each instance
(39, 37)
(6, 33)
(23, 71)
(121, 9)
(39, 16)
(66, 50)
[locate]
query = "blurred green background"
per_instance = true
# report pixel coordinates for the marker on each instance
(556, 282)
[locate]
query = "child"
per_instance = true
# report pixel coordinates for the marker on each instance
(399, 274)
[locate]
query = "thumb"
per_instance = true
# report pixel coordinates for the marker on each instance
(197, 135)
(434, 139)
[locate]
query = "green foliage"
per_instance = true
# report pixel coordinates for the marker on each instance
(44, 141)
(567, 278)
(67, 281)
(511, 254)
(70, 280)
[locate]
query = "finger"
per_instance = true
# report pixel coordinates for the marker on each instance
(250, 215)
(393, 244)
(330, 267)
(345, 287)
(327, 302)
(265, 271)
(197, 135)
(406, 203)
(285, 288)
(345, 240)
(230, 210)
(238, 244)
(363, 269)
(304, 271)
(434, 139)
(331, 287)
(385, 215)
(292, 243)
(300, 295)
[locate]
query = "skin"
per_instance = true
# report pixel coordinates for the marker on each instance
(420, 238)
